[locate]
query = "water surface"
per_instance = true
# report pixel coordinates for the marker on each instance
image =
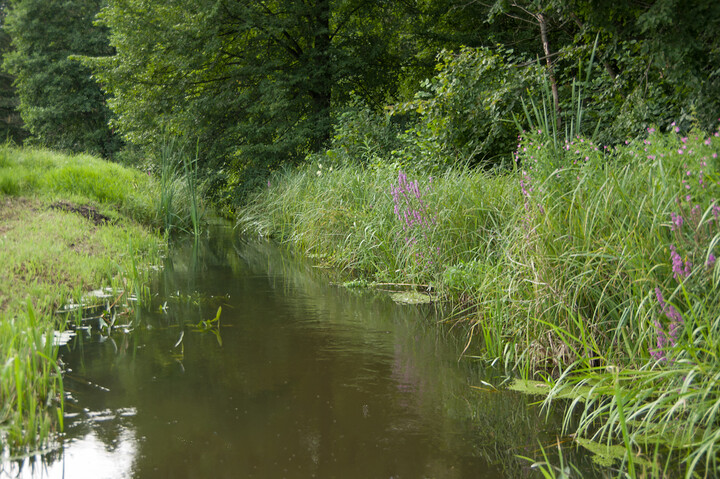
(301, 379)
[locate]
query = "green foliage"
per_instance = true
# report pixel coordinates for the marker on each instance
(11, 126)
(466, 110)
(362, 136)
(255, 82)
(656, 63)
(60, 103)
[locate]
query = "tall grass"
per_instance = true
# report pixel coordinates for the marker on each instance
(345, 216)
(31, 391)
(180, 205)
(558, 267)
(80, 178)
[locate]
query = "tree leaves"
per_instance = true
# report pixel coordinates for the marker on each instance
(60, 103)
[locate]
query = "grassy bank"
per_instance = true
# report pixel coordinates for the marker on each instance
(68, 225)
(590, 268)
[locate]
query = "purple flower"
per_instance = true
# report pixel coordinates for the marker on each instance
(710, 261)
(669, 338)
(660, 299)
(680, 269)
(412, 212)
(677, 221)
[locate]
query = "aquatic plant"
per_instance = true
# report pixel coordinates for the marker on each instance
(31, 391)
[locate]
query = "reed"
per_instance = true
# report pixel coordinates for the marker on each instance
(180, 205)
(30, 381)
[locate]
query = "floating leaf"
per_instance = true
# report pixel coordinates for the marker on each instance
(411, 297)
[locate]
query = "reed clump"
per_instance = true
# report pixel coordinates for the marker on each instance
(181, 208)
(586, 266)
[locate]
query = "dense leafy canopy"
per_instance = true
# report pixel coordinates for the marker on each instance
(264, 83)
(257, 82)
(60, 103)
(11, 127)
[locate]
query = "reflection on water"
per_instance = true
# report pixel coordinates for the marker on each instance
(309, 380)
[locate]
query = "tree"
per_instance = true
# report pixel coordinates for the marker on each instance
(60, 103)
(11, 126)
(258, 82)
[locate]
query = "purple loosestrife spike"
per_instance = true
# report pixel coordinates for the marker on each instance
(673, 314)
(710, 261)
(677, 264)
(660, 299)
(677, 221)
(668, 309)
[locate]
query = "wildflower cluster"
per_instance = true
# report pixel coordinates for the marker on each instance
(670, 338)
(417, 221)
(693, 224)
(319, 171)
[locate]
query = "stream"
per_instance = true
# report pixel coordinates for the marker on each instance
(297, 378)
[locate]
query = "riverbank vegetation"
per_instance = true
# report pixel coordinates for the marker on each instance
(589, 267)
(69, 225)
(550, 167)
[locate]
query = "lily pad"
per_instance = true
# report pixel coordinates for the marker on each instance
(411, 297)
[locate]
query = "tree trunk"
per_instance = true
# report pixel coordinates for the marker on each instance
(321, 84)
(551, 71)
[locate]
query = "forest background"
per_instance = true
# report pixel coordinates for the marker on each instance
(259, 85)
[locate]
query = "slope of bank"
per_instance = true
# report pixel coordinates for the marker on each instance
(592, 268)
(68, 225)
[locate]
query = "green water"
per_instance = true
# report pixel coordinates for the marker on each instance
(302, 379)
